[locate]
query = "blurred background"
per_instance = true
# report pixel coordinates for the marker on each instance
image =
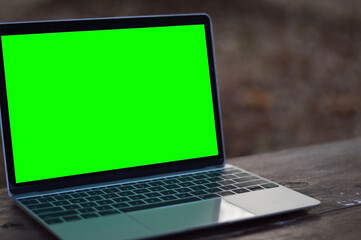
(289, 72)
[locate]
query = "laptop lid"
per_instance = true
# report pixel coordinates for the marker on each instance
(88, 101)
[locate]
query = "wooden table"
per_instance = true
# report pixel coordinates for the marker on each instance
(329, 172)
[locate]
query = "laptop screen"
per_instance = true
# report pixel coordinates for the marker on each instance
(90, 101)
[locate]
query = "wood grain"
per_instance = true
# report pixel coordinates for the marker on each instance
(328, 172)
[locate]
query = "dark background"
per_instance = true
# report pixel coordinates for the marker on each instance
(289, 72)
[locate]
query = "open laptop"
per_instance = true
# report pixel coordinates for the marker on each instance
(111, 129)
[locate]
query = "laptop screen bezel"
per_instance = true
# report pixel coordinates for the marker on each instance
(118, 174)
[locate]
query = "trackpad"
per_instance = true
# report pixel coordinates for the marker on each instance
(190, 215)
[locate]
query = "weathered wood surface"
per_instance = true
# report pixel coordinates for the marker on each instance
(328, 172)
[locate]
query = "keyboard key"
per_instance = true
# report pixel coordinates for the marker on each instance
(127, 184)
(199, 176)
(89, 215)
(147, 182)
(83, 194)
(172, 186)
(136, 203)
(171, 181)
(213, 174)
(72, 206)
(202, 181)
(243, 174)
(183, 195)
(198, 193)
(137, 197)
(53, 221)
(250, 183)
(230, 176)
(105, 207)
(152, 200)
(47, 199)
(29, 201)
(226, 193)
(156, 189)
(120, 205)
(48, 210)
(61, 197)
(168, 198)
(269, 185)
(160, 204)
(215, 179)
(208, 196)
(255, 188)
(185, 179)
(39, 206)
(87, 210)
(61, 203)
(230, 171)
(140, 191)
(212, 185)
(111, 190)
(126, 188)
(157, 183)
(111, 195)
(240, 190)
(226, 182)
(141, 185)
(95, 193)
(104, 202)
(71, 218)
(89, 204)
(192, 175)
(109, 212)
(83, 191)
(246, 179)
(186, 184)
(213, 190)
(129, 193)
(94, 198)
(153, 194)
(168, 192)
(76, 195)
(199, 187)
(183, 190)
(58, 214)
(77, 200)
(121, 199)
(228, 187)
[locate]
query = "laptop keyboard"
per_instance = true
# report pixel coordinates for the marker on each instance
(122, 198)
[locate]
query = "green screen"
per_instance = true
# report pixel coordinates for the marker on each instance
(90, 101)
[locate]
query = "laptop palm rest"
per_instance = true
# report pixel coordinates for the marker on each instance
(191, 215)
(119, 226)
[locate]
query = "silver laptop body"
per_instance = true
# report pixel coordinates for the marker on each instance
(142, 199)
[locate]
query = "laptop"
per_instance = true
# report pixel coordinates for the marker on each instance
(111, 129)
